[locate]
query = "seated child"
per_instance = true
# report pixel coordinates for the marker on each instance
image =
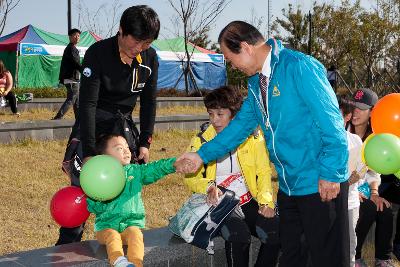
(118, 221)
(245, 171)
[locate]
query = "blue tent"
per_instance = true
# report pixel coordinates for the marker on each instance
(208, 68)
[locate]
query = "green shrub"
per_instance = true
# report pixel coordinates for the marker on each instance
(170, 92)
(50, 92)
(44, 92)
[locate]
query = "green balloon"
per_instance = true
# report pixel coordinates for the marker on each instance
(102, 178)
(397, 174)
(382, 153)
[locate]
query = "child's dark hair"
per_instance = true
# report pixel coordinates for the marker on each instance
(224, 97)
(346, 105)
(102, 141)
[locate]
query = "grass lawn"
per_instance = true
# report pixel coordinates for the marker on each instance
(47, 114)
(30, 175)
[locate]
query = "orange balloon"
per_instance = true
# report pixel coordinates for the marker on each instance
(385, 116)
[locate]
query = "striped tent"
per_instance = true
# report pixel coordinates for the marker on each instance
(34, 56)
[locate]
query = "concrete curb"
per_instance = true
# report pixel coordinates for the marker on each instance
(162, 102)
(61, 129)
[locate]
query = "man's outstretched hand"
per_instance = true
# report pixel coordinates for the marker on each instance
(183, 166)
(189, 162)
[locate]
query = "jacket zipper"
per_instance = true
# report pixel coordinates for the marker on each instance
(265, 114)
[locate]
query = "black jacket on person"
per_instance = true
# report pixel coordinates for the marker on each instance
(111, 86)
(70, 64)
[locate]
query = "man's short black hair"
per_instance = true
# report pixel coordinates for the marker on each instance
(239, 31)
(141, 22)
(72, 31)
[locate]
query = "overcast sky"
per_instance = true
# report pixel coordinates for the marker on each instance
(51, 15)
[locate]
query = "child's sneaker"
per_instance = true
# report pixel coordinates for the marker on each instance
(360, 263)
(121, 261)
(384, 263)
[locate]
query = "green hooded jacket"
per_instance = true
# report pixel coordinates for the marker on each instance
(127, 209)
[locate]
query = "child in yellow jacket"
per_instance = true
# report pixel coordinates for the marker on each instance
(245, 171)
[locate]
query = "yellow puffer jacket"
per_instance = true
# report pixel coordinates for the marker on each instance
(253, 160)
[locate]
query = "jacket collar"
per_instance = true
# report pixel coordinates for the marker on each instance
(115, 47)
(277, 47)
(276, 50)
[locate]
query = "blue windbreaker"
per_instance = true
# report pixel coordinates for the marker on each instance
(302, 124)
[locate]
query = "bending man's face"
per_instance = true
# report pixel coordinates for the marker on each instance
(132, 47)
(242, 61)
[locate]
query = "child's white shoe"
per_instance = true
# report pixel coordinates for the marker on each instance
(121, 261)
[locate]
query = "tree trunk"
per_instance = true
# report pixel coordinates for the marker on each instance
(185, 74)
(369, 76)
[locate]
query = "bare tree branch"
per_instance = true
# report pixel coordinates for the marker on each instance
(195, 18)
(103, 20)
(6, 6)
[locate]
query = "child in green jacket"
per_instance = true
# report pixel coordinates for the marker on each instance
(118, 221)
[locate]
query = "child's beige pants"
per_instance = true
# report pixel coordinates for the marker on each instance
(132, 236)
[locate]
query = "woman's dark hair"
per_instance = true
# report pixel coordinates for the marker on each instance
(141, 22)
(2, 67)
(224, 97)
(367, 132)
(102, 141)
(239, 31)
(345, 104)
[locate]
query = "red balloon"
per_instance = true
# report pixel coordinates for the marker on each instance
(385, 116)
(68, 207)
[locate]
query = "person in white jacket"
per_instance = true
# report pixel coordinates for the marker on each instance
(359, 174)
(373, 208)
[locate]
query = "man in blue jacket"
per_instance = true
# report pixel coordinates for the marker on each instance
(291, 99)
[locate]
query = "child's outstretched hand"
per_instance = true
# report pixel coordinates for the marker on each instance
(183, 166)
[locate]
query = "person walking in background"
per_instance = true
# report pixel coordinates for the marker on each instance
(6, 84)
(290, 97)
(70, 73)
